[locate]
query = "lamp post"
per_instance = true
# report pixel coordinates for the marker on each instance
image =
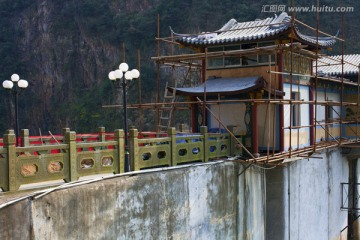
(15, 85)
(125, 76)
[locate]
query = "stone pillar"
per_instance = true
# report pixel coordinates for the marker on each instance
(133, 149)
(25, 138)
(204, 132)
(101, 132)
(9, 145)
(172, 135)
(120, 147)
(70, 139)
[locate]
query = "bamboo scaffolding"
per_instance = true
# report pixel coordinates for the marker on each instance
(200, 56)
(263, 101)
(188, 65)
(309, 150)
(192, 61)
(328, 132)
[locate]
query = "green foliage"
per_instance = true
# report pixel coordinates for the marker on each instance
(80, 28)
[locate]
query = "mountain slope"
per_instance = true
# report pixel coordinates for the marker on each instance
(65, 50)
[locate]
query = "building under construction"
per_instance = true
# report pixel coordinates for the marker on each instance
(277, 88)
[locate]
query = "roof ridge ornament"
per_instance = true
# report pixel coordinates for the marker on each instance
(280, 21)
(228, 25)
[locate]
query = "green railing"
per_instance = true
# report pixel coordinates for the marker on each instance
(70, 156)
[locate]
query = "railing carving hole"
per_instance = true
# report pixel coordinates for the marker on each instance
(87, 163)
(195, 150)
(161, 154)
(28, 170)
(146, 156)
(107, 161)
(55, 167)
(182, 152)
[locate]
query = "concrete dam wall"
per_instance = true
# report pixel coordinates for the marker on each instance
(209, 201)
(219, 200)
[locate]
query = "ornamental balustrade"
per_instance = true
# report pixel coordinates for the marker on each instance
(70, 156)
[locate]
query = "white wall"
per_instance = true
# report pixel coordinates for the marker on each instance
(304, 133)
(310, 198)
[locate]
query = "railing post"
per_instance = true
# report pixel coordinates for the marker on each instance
(9, 144)
(70, 139)
(25, 137)
(134, 149)
(101, 132)
(172, 135)
(204, 132)
(182, 127)
(119, 137)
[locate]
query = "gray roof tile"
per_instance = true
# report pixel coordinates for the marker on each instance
(334, 68)
(234, 31)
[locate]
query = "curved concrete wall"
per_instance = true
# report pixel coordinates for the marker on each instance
(210, 201)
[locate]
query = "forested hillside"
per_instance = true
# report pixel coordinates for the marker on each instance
(65, 50)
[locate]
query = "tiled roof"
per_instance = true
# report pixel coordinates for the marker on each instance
(234, 32)
(223, 86)
(351, 63)
(322, 41)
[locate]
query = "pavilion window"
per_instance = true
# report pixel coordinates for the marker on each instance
(237, 60)
(217, 61)
(232, 60)
(249, 60)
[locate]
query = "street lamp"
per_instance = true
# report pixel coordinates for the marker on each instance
(126, 76)
(15, 85)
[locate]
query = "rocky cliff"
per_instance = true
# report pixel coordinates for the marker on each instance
(65, 50)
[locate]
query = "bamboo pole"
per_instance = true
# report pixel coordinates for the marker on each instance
(263, 101)
(157, 119)
(274, 122)
(358, 101)
(268, 108)
(204, 82)
(199, 56)
(291, 86)
(316, 74)
(139, 91)
(342, 78)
